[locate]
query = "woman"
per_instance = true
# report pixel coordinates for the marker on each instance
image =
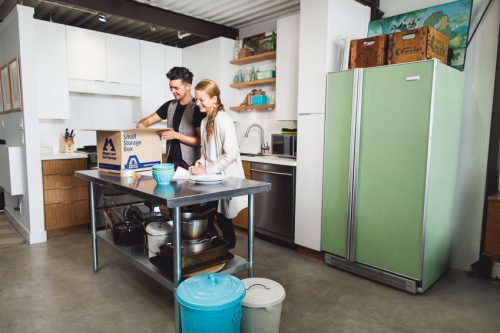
(219, 153)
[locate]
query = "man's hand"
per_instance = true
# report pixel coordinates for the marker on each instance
(168, 134)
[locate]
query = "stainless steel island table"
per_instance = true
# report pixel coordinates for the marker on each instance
(175, 195)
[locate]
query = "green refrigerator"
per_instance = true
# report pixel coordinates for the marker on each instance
(392, 137)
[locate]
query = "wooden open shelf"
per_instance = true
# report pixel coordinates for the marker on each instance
(254, 58)
(254, 83)
(253, 107)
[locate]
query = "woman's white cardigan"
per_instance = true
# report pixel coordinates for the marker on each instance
(228, 160)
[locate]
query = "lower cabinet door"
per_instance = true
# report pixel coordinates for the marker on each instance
(66, 214)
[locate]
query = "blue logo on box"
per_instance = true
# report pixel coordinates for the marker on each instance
(108, 145)
(132, 163)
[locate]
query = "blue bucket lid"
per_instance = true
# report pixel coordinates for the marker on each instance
(212, 291)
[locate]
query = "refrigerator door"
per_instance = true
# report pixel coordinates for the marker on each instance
(391, 167)
(338, 122)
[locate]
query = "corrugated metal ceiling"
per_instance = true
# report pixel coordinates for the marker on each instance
(230, 13)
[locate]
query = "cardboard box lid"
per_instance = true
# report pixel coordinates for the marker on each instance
(150, 129)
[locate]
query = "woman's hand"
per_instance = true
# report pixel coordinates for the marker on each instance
(197, 170)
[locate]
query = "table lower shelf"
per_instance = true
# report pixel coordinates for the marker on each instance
(138, 255)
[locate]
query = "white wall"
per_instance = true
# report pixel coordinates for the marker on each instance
(258, 28)
(478, 101)
(17, 38)
(87, 112)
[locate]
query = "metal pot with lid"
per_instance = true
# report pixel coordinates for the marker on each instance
(194, 225)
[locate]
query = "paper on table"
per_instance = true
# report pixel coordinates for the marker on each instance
(181, 173)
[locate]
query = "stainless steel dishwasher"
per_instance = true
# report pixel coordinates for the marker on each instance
(275, 210)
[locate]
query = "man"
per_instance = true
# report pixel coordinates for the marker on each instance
(183, 119)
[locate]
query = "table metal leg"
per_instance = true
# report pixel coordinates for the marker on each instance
(95, 258)
(250, 235)
(177, 264)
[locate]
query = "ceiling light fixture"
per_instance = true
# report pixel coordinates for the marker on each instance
(181, 35)
(102, 18)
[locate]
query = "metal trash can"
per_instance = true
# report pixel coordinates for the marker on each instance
(211, 303)
(262, 306)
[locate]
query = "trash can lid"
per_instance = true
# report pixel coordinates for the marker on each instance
(211, 291)
(158, 229)
(262, 293)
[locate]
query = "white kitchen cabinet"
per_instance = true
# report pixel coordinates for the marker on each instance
(173, 58)
(86, 54)
(287, 67)
(51, 70)
(309, 183)
(102, 64)
(156, 61)
(123, 59)
(154, 86)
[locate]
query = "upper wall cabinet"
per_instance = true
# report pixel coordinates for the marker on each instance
(153, 88)
(123, 58)
(99, 63)
(156, 60)
(86, 54)
(287, 67)
(51, 70)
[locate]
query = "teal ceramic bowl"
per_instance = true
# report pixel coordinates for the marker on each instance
(163, 178)
(163, 167)
(162, 171)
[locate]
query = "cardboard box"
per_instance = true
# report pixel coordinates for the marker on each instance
(127, 151)
(419, 44)
(368, 52)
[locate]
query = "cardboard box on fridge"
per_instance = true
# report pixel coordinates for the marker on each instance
(129, 150)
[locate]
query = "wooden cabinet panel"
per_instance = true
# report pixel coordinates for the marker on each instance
(492, 240)
(52, 182)
(63, 167)
(246, 167)
(63, 215)
(241, 220)
(65, 195)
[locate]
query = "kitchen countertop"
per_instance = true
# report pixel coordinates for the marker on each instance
(272, 159)
(63, 156)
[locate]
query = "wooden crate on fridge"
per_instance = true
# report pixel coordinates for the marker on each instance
(368, 52)
(418, 44)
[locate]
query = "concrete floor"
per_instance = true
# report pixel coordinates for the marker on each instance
(50, 287)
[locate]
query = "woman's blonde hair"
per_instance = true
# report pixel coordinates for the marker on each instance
(212, 90)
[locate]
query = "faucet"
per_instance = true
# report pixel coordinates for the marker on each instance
(264, 147)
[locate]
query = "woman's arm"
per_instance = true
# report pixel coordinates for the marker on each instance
(226, 135)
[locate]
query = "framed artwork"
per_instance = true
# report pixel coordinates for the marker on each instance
(252, 42)
(265, 44)
(451, 19)
(4, 77)
(15, 85)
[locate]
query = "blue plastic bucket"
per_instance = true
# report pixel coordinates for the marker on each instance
(211, 303)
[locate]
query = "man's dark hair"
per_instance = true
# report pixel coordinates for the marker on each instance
(180, 73)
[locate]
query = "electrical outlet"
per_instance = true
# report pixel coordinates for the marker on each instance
(2, 123)
(21, 123)
(22, 138)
